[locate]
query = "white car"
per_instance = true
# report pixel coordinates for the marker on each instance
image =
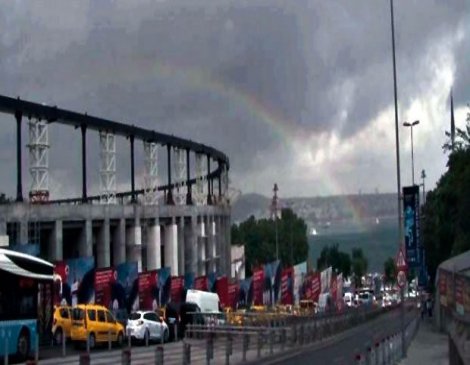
(147, 326)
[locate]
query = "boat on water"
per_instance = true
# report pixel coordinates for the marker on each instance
(377, 220)
(313, 232)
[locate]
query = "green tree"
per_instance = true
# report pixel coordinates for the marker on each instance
(390, 270)
(359, 265)
(259, 238)
(338, 260)
(446, 221)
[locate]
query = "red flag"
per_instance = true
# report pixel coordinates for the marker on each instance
(104, 279)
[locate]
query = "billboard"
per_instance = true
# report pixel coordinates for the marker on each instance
(299, 272)
(126, 289)
(177, 289)
(74, 281)
(104, 282)
(200, 283)
(272, 282)
(164, 285)
(245, 296)
(258, 286)
(287, 286)
(411, 225)
(148, 290)
(221, 287)
(233, 295)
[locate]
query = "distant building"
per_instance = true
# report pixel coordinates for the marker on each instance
(238, 261)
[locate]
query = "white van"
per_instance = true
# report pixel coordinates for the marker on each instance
(207, 302)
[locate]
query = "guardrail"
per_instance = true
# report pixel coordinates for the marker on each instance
(222, 343)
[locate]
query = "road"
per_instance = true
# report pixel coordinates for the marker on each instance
(342, 349)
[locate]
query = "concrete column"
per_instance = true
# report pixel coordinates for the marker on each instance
(103, 246)
(85, 245)
(181, 246)
(190, 241)
(134, 244)
(171, 248)
(119, 243)
(154, 260)
(23, 233)
(210, 243)
(55, 249)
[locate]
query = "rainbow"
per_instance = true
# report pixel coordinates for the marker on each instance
(281, 127)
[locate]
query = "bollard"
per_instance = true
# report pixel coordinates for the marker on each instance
(246, 338)
(126, 357)
(147, 338)
(227, 351)
(63, 343)
(283, 338)
(159, 355)
(209, 349)
(175, 331)
(162, 331)
(84, 358)
(259, 345)
(377, 354)
(110, 344)
(5, 358)
(301, 335)
(36, 352)
(186, 353)
(294, 335)
(369, 356)
(271, 341)
(88, 345)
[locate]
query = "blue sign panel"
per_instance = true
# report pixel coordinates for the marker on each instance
(411, 225)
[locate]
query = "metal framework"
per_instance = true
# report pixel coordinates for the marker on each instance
(179, 170)
(52, 114)
(38, 160)
(108, 168)
(151, 196)
(199, 194)
(224, 185)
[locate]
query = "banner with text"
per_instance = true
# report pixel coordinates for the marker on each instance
(258, 286)
(411, 225)
(287, 286)
(105, 279)
(148, 290)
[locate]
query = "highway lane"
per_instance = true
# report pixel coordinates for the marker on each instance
(342, 349)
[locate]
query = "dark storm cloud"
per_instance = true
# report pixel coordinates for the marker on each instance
(317, 65)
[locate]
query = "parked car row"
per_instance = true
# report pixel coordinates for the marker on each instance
(96, 324)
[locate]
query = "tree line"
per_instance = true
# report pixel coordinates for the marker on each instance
(446, 212)
(259, 238)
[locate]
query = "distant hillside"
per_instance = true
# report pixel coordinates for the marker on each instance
(321, 210)
(250, 204)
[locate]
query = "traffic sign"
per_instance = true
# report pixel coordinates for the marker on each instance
(400, 260)
(401, 279)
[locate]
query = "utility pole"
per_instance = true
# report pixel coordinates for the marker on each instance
(423, 176)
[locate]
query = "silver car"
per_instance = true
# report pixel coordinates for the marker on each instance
(147, 326)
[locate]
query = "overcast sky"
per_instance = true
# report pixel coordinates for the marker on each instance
(296, 92)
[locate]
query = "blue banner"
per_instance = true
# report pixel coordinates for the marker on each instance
(411, 225)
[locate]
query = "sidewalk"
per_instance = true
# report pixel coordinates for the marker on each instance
(428, 347)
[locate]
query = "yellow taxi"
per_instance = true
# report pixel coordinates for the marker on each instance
(62, 323)
(96, 324)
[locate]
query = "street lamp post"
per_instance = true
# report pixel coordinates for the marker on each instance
(274, 211)
(411, 125)
(397, 152)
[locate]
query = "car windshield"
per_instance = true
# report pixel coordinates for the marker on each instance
(134, 316)
(78, 314)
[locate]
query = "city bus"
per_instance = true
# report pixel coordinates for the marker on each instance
(25, 303)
